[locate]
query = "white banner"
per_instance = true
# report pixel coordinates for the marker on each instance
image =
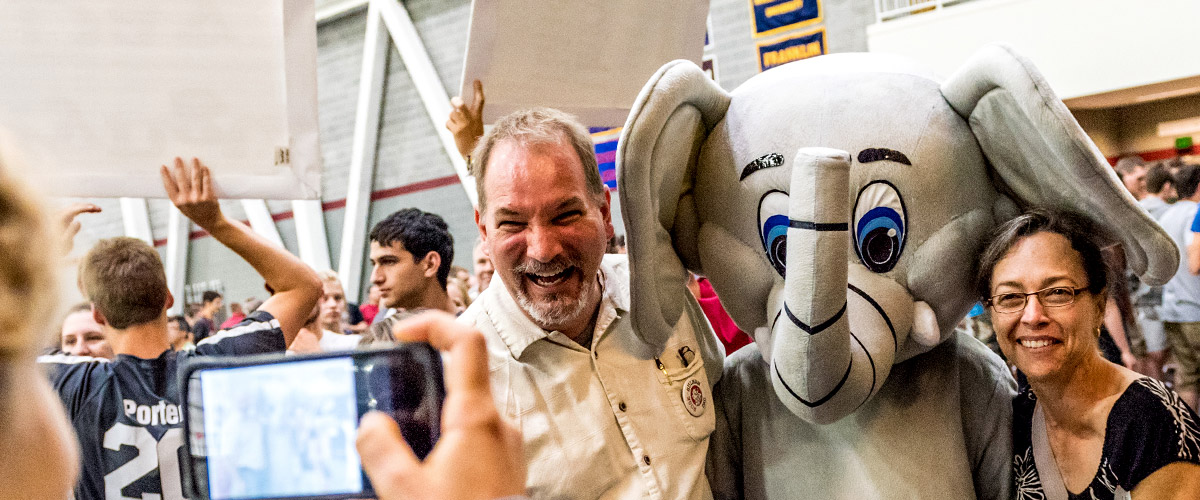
(98, 94)
(586, 58)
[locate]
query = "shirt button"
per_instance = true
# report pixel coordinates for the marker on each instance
(621, 406)
(646, 458)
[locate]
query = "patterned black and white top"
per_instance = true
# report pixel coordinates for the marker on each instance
(1148, 428)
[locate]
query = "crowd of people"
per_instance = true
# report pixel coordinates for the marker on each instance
(1163, 322)
(549, 391)
(399, 282)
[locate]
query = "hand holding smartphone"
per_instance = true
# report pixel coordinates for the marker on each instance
(277, 427)
(479, 454)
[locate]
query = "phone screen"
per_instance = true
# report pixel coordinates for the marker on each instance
(286, 428)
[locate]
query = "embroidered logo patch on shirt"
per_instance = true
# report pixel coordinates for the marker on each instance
(693, 397)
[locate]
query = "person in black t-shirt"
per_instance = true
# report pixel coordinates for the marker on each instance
(127, 412)
(205, 324)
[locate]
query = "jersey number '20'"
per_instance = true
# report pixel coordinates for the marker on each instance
(163, 455)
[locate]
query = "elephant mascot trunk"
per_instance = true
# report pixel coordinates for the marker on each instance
(821, 369)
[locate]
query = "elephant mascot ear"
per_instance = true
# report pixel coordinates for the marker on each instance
(656, 162)
(1041, 157)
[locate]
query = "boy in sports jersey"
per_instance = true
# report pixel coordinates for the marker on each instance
(127, 412)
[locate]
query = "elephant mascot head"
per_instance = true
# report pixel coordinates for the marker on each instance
(837, 205)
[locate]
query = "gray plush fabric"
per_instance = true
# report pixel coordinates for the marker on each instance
(795, 169)
(940, 428)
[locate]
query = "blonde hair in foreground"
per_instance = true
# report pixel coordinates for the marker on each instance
(28, 282)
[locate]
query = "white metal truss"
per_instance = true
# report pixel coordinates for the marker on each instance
(362, 153)
(310, 233)
(339, 10)
(261, 221)
(179, 230)
(136, 218)
(429, 87)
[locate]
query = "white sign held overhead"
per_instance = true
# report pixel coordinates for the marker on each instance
(98, 94)
(586, 58)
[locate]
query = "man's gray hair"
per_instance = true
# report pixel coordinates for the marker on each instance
(538, 126)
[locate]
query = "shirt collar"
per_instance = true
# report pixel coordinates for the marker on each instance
(519, 332)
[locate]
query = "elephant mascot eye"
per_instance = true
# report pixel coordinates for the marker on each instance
(773, 228)
(879, 226)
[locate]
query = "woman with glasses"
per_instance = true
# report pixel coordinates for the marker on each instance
(1085, 428)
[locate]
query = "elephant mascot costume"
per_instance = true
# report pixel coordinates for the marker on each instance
(837, 205)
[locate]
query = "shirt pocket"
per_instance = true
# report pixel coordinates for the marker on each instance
(685, 388)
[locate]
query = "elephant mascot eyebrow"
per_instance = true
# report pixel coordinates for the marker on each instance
(837, 205)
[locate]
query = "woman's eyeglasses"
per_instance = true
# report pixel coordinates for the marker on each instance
(1055, 296)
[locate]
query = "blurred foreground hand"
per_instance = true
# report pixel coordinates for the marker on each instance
(478, 456)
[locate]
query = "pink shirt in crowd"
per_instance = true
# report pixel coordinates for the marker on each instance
(729, 333)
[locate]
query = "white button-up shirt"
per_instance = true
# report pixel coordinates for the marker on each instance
(619, 420)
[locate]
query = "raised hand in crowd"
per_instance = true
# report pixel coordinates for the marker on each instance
(466, 122)
(295, 284)
(70, 225)
(190, 190)
(479, 455)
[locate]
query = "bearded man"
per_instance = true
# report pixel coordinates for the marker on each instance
(603, 413)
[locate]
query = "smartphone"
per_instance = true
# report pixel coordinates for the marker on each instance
(276, 427)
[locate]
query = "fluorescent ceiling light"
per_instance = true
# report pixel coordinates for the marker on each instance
(1167, 94)
(1179, 128)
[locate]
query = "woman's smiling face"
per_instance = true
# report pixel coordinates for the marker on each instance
(1045, 341)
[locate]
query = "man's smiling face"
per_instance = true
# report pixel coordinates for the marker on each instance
(545, 231)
